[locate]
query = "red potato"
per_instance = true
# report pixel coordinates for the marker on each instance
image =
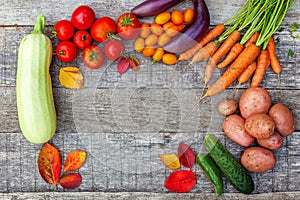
(254, 101)
(273, 143)
(258, 159)
(227, 106)
(260, 126)
(283, 118)
(234, 128)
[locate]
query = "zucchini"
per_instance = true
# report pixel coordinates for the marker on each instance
(36, 110)
(231, 168)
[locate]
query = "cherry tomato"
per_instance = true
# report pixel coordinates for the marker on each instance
(128, 26)
(83, 17)
(66, 51)
(82, 39)
(93, 57)
(103, 28)
(113, 49)
(63, 30)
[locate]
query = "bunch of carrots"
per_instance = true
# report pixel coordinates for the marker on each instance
(245, 54)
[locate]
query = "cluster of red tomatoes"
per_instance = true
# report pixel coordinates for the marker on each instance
(84, 28)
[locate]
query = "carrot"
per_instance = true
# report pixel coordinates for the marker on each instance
(245, 76)
(205, 52)
(274, 60)
(234, 52)
(247, 56)
(216, 31)
(252, 39)
(247, 73)
(263, 62)
(220, 52)
(225, 47)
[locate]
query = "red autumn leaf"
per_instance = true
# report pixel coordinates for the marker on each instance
(70, 181)
(74, 160)
(186, 155)
(181, 181)
(49, 164)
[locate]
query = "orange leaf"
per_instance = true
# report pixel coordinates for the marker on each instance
(70, 181)
(71, 77)
(74, 160)
(170, 160)
(49, 164)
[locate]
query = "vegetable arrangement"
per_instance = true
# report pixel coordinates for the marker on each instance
(260, 121)
(161, 39)
(249, 54)
(260, 19)
(85, 32)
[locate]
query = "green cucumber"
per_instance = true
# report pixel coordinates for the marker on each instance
(212, 171)
(231, 168)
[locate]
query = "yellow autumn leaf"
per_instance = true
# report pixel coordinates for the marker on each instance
(170, 160)
(71, 77)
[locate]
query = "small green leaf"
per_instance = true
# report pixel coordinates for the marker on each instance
(291, 53)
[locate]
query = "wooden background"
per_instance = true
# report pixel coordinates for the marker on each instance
(124, 122)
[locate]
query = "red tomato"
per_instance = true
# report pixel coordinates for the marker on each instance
(93, 57)
(63, 30)
(102, 28)
(82, 39)
(83, 17)
(66, 51)
(113, 49)
(128, 26)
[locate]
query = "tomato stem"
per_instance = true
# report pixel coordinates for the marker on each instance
(112, 36)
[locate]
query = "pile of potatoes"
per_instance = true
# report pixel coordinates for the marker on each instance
(258, 119)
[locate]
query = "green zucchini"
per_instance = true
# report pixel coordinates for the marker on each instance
(231, 168)
(212, 171)
(36, 110)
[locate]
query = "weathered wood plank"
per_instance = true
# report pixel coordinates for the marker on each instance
(23, 13)
(146, 196)
(158, 75)
(134, 110)
(143, 195)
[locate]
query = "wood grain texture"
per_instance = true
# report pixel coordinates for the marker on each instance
(144, 195)
(124, 122)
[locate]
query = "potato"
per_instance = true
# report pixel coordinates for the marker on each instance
(283, 118)
(234, 128)
(254, 101)
(228, 106)
(273, 143)
(258, 159)
(260, 126)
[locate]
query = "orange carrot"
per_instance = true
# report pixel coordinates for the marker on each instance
(252, 39)
(233, 54)
(247, 56)
(213, 33)
(225, 47)
(247, 73)
(274, 60)
(205, 52)
(220, 52)
(263, 62)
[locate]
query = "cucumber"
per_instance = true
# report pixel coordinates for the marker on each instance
(231, 168)
(36, 110)
(212, 171)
